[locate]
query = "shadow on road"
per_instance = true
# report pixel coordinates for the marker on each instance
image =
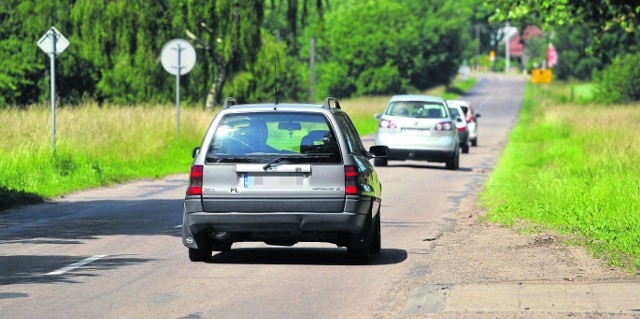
(429, 166)
(74, 223)
(32, 269)
(304, 256)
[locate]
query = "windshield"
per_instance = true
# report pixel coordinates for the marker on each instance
(416, 109)
(261, 137)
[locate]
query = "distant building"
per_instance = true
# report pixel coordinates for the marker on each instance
(517, 44)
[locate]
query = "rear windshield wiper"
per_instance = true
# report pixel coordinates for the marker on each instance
(230, 159)
(288, 157)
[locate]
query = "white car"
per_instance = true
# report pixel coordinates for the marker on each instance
(471, 118)
(418, 127)
(461, 125)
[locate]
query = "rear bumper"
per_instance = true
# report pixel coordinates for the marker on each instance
(262, 226)
(275, 222)
(420, 155)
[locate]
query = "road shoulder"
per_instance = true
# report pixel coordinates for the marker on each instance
(477, 265)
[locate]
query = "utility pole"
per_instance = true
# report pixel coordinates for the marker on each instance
(507, 54)
(312, 71)
(477, 26)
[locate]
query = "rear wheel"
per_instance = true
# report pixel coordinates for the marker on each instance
(199, 254)
(474, 142)
(376, 240)
(379, 161)
(358, 249)
(221, 247)
(454, 162)
(465, 148)
(203, 252)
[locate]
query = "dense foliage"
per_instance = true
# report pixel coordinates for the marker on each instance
(588, 35)
(363, 47)
(620, 81)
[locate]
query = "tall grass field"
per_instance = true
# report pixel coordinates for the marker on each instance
(95, 146)
(574, 168)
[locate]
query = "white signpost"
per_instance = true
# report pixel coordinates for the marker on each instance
(178, 57)
(53, 43)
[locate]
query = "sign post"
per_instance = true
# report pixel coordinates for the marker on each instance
(178, 57)
(53, 43)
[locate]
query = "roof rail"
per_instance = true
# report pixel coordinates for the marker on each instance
(327, 102)
(227, 100)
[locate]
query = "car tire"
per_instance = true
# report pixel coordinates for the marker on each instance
(379, 161)
(199, 254)
(224, 247)
(360, 245)
(376, 240)
(454, 162)
(474, 142)
(465, 148)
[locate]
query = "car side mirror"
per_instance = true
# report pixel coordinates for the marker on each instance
(379, 151)
(477, 115)
(195, 152)
(377, 116)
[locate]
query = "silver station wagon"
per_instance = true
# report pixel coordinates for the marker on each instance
(282, 174)
(418, 127)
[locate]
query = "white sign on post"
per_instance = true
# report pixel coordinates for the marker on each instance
(178, 54)
(53, 43)
(178, 57)
(53, 39)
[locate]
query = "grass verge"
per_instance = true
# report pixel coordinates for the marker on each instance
(572, 168)
(96, 146)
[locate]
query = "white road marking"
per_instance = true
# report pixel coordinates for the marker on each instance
(178, 226)
(76, 265)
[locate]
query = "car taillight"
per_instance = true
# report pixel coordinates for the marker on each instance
(195, 180)
(387, 124)
(444, 126)
(462, 128)
(350, 180)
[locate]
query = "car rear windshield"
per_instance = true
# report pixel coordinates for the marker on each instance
(454, 112)
(416, 109)
(263, 136)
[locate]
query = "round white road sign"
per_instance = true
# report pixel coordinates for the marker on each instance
(178, 54)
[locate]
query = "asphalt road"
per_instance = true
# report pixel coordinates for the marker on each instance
(116, 252)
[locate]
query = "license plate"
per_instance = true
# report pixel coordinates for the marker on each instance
(272, 181)
(416, 131)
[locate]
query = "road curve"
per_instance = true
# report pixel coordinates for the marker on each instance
(116, 252)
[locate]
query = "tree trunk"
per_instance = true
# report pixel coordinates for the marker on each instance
(214, 96)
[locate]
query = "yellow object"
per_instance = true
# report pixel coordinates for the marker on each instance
(539, 76)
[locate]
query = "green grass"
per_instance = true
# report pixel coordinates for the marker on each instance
(572, 168)
(96, 146)
(99, 146)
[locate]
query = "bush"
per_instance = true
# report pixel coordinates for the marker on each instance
(620, 81)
